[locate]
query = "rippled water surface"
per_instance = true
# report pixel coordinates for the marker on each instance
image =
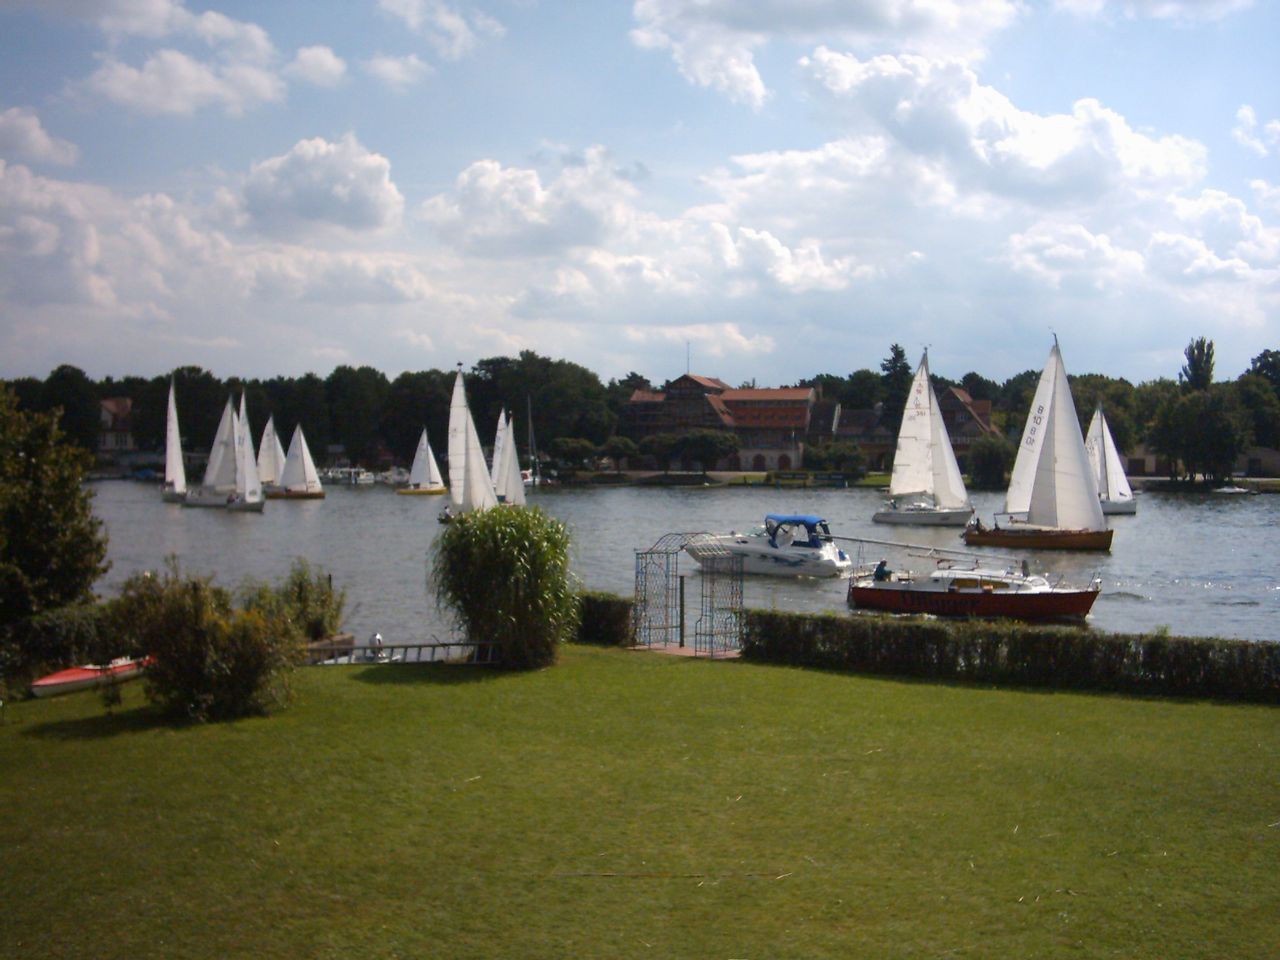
(1198, 564)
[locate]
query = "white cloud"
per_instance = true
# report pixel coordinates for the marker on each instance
(398, 73)
(1268, 194)
(1185, 11)
(717, 340)
(451, 33)
(714, 42)
(172, 82)
(23, 137)
(1061, 254)
(1182, 259)
(318, 65)
(1245, 132)
(319, 183)
(940, 111)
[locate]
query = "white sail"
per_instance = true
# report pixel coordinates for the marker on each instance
(924, 463)
(425, 473)
(270, 454)
(220, 474)
(1104, 457)
(248, 485)
(470, 484)
(175, 473)
(499, 438)
(299, 475)
(510, 482)
(1063, 492)
(1018, 498)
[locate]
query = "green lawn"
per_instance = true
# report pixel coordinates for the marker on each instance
(634, 805)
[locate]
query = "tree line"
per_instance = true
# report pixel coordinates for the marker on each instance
(1200, 424)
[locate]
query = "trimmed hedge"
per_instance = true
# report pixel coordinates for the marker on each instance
(1018, 654)
(605, 620)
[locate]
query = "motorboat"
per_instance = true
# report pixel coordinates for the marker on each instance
(959, 589)
(787, 545)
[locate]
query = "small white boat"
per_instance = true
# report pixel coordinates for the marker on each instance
(89, 676)
(299, 479)
(270, 457)
(470, 483)
(248, 496)
(424, 476)
(788, 545)
(1231, 488)
(219, 484)
(925, 486)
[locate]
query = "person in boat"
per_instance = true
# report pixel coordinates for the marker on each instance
(446, 514)
(882, 572)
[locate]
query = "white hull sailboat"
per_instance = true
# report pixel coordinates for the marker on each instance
(470, 484)
(424, 475)
(925, 486)
(175, 472)
(508, 481)
(219, 482)
(299, 480)
(248, 496)
(270, 457)
(1052, 501)
(1114, 491)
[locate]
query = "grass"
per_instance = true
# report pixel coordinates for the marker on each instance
(632, 805)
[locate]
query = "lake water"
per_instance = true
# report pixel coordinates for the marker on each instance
(1198, 564)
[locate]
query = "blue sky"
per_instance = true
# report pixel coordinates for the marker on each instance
(780, 188)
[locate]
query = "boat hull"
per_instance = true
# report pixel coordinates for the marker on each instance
(421, 491)
(206, 497)
(1112, 508)
(246, 506)
(295, 494)
(174, 496)
(982, 604)
(772, 562)
(932, 518)
(87, 677)
(1039, 538)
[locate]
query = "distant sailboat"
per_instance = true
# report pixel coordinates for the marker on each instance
(424, 475)
(926, 486)
(175, 473)
(1113, 486)
(270, 456)
(1052, 501)
(470, 485)
(219, 482)
(499, 438)
(299, 480)
(509, 484)
(248, 495)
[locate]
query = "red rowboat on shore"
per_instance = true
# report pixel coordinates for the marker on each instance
(88, 676)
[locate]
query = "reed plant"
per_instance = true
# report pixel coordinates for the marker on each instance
(504, 574)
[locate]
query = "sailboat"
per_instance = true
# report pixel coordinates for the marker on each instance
(270, 457)
(470, 485)
(508, 481)
(926, 486)
(499, 438)
(1052, 501)
(532, 477)
(1113, 486)
(299, 480)
(424, 475)
(175, 473)
(248, 496)
(220, 475)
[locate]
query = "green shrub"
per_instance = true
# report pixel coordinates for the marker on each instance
(605, 619)
(306, 597)
(1019, 654)
(504, 574)
(211, 661)
(54, 639)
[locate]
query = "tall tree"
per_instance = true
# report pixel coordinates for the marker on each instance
(896, 381)
(52, 547)
(356, 397)
(1267, 364)
(70, 391)
(417, 400)
(1197, 372)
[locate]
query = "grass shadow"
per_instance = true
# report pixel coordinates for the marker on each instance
(103, 726)
(442, 674)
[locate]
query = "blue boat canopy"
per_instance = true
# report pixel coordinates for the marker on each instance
(808, 519)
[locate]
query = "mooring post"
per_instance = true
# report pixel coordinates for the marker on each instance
(682, 613)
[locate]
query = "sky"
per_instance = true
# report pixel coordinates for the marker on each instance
(754, 191)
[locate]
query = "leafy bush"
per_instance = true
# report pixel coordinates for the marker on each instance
(306, 597)
(1021, 654)
(605, 619)
(504, 573)
(58, 638)
(211, 661)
